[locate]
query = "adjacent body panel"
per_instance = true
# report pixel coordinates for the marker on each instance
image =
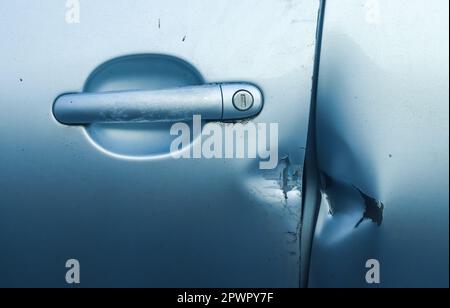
(382, 136)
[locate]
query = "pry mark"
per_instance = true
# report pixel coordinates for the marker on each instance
(289, 177)
(374, 209)
(326, 183)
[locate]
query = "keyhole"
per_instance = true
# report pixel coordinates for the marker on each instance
(243, 100)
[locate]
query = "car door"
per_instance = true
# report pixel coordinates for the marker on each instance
(380, 137)
(111, 194)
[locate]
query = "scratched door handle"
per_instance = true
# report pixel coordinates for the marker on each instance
(219, 102)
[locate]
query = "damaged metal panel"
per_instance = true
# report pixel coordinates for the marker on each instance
(382, 144)
(96, 195)
(335, 193)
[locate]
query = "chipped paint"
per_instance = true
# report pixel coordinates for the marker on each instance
(374, 209)
(334, 191)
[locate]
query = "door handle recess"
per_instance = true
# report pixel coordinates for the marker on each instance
(220, 102)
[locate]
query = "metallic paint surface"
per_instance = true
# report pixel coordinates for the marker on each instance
(159, 222)
(382, 127)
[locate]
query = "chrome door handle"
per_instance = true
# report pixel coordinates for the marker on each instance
(220, 102)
